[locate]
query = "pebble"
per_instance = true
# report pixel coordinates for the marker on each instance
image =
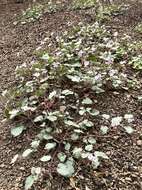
(22, 168)
(139, 142)
(2, 165)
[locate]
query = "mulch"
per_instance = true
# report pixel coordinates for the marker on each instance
(17, 43)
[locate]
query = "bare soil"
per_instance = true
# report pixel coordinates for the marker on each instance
(17, 43)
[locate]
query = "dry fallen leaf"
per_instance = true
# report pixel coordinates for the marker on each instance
(72, 184)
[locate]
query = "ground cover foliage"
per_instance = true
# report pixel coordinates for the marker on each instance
(56, 94)
(94, 7)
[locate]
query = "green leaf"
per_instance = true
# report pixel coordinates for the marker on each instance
(13, 113)
(52, 94)
(61, 156)
(45, 56)
(92, 140)
(67, 146)
(35, 144)
(50, 146)
(77, 152)
(129, 129)
(16, 131)
(89, 147)
(67, 92)
(38, 118)
(52, 118)
(85, 155)
(27, 152)
(87, 101)
(71, 123)
(35, 171)
(47, 136)
(74, 78)
(32, 178)
(101, 154)
(94, 112)
(29, 182)
(106, 116)
(96, 158)
(104, 130)
(74, 136)
(78, 131)
(116, 121)
(45, 158)
(87, 123)
(129, 117)
(66, 169)
(82, 112)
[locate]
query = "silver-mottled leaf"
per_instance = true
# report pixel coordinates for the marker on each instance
(13, 113)
(29, 182)
(129, 129)
(61, 156)
(77, 152)
(27, 152)
(92, 140)
(16, 131)
(104, 130)
(35, 144)
(87, 101)
(116, 121)
(129, 117)
(89, 147)
(38, 118)
(45, 158)
(74, 136)
(50, 146)
(52, 118)
(52, 94)
(66, 169)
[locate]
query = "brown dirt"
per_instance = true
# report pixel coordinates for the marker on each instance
(17, 43)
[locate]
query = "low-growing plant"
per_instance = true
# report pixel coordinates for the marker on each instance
(138, 28)
(32, 13)
(83, 4)
(56, 95)
(136, 62)
(37, 10)
(104, 12)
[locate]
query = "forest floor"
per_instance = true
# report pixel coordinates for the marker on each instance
(17, 44)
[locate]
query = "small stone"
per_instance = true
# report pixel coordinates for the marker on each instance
(22, 168)
(2, 165)
(139, 142)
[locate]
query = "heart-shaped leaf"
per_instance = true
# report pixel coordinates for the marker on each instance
(129, 129)
(45, 158)
(87, 101)
(27, 152)
(29, 182)
(16, 131)
(50, 146)
(66, 169)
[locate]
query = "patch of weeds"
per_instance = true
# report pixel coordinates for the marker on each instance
(136, 46)
(31, 14)
(34, 12)
(56, 94)
(99, 11)
(138, 28)
(83, 4)
(136, 62)
(52, 7)
(105, 12)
